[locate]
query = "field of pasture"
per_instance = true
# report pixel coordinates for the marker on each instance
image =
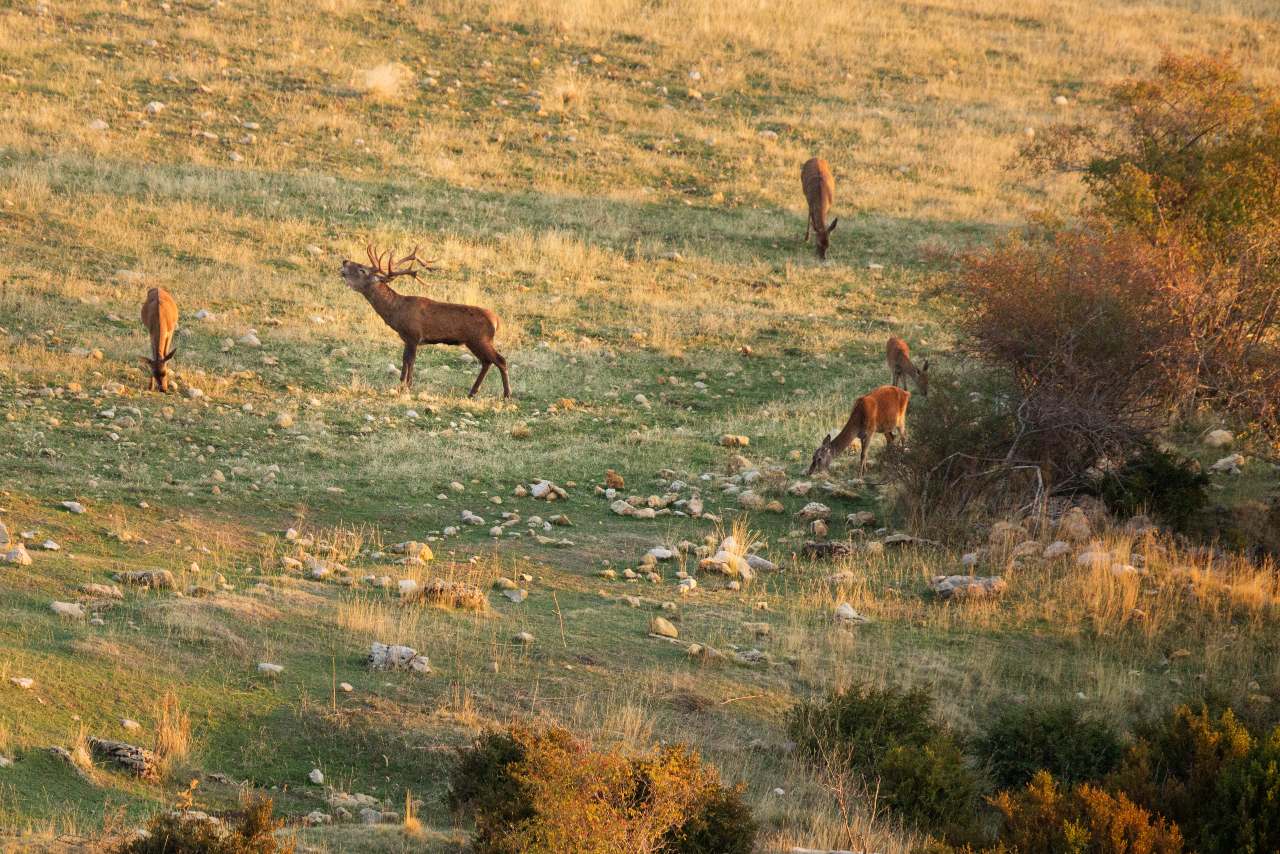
(619, 181)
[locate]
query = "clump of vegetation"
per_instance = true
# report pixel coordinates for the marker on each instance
(251, 830)
(889, 737)
(1023, 740)
(545, 791)
(952, 472)
(1160, 482)
(1187, 164)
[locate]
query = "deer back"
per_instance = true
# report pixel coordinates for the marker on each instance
(885, 407)
(448, 322)
(160, 316)
(819, 190)
(898, 355)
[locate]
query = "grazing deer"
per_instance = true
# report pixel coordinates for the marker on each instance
(819, 192)
(898, 356)
(160, 316)
(418, 320)
(879, 411)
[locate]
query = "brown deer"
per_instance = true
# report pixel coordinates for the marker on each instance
(898, 356)
(880, 411)
(419, 320)
(160, 316)
(819, 192)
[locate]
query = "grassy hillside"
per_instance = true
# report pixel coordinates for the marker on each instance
(619, 181)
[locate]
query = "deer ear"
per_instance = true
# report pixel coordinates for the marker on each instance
(170, 356)
(832, 227)
(925, 366)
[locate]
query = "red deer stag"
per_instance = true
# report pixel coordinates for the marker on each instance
(160, 316)
(419, 320)
(819, 193)
(879, 411)
(898, 356)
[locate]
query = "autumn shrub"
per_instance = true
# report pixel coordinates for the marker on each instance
(1187, 162)
(543, 790)
(251, 830)
(1078, 326)
(1044, 818)
(1021, 740)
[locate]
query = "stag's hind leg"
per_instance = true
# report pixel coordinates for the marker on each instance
(501, 362)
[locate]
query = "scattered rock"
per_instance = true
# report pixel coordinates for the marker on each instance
(396, 657)
(826, 550)
(73, 507)
(1075, 527)
(316, 776)
(152, 579)
(70, 610)
(457, 595)
(1056, 549)
(268, 669)
(516, 596)
(284, 420)
(1006, 533)
(523, 638)
(846, 614)
(16, 554)
(663, 628)
(137, 760)
(23, 682)
(730, 440)
(815, 510)
(1228, 465)
(967, 586)
(1219, 438)
(613, 480)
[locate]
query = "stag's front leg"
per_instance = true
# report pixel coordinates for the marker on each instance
(406, 365)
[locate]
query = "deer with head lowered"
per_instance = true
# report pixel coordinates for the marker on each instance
(419, 320)
(819, 193)
(880, 411)
(160, 316)
(898, 356)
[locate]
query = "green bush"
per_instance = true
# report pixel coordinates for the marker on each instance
(1159, 482)
(1022, 740)
(543, 791)
(859, 725)
(930, 786)
(1246, 815)
(889, 738)
(252, 830)
(1177, 761)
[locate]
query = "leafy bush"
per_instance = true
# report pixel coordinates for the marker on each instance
(544, 791)
(1022, 740)
(250, 831)
(1160, 482)
(888, 736)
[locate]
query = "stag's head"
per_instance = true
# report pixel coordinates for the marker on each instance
(824, 239)
(159, 371)
(380, 269)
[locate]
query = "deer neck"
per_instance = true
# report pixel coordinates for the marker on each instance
(847, 434)
(385, 301)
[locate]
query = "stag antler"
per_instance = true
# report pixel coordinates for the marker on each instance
(385, 264)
